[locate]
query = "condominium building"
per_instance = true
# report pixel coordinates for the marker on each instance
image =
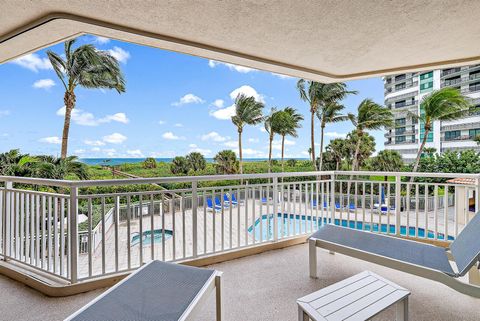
(403, 94)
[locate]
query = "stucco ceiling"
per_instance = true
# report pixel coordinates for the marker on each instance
(321, 40)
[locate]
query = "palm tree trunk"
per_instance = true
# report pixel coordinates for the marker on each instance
(270, 153)
(419, 154)
(337, 166)
(321, 146)
(240, 150)
(357, 151)
(283, 150)
(312, 138)
(69, 100)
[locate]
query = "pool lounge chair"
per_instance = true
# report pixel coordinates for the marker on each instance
(227, 200)
(218, 203)
(212, 207)
(425, 260)
(156, 291)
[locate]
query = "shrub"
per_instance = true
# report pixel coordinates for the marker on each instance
(149, 163)
(179, 166)
(196, 161)
(226, 162)
(291, 162)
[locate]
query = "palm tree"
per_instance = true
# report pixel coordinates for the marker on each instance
(86, 67)
(443, 104)
(289, 121)
(60, 168)
(248, 111)
(196, 161)
(273, 124)
(371, 116)
(226, 162)
(319, 95)
(387, 161)
(337, 149)
(179, 166)
(331, 113)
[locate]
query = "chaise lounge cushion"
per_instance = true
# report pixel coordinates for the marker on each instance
(417, 253)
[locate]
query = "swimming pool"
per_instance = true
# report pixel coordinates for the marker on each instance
(147, 237)
(292, 224)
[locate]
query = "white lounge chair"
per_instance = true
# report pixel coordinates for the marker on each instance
(425, 260)
(156, 291)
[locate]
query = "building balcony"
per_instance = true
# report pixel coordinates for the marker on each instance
(269, 211)
(450, 71)
(458, 138)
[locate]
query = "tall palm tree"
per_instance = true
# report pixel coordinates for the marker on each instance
(272, 124)
(86, 67)
(319, 95)
(443, 104)
(371, 116)
(248, 111)
(289, 122)
(387, 161)
(331, 113)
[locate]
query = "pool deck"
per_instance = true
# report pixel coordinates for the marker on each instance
(214, 232)
(264, 287)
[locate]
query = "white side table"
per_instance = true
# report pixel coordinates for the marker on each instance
(359, 297)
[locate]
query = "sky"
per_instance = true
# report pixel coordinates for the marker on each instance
(174, 104)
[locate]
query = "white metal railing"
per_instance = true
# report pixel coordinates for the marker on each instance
(40, 225)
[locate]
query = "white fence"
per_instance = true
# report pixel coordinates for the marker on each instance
(39, 225)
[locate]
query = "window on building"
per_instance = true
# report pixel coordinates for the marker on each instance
(400, 103)
(400, 121)
(426, 75)
(400, 139)
(399, 130)
(474, 133)
(426, 86)
(475, 75)
(452, 135)
(450, 71)
(452, 81)
(400, 77)
(474, 87)
(400, 86)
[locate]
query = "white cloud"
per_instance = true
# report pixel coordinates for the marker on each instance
(167, 153)
(192, 146)
(95, 149)
(263, 130)
(51, 140)
(277, 144)
(4, 113)
(335, 135)
(119, 54)
(79, 151)
(33, 62)
(247, 91)
(225, 113)
(83, 118)
(44, 84)
(189, 99)
(202, 151)
(172, 136)
(241, 69)
(101, 40)
(305, 153)
(231, 144)
(110, 152)
(214, 136)
(219, 103)
(253, 140)
(178, 125)
(93, 142)
(135, 153)
(114, 138)
(253, 153)
(161, 122)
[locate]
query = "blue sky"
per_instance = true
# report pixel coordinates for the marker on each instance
(174, 103)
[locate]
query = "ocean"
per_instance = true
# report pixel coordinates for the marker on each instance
(119, 161)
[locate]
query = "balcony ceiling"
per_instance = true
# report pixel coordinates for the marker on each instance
(320, 40)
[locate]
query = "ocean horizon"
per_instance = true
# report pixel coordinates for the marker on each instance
(120, 161)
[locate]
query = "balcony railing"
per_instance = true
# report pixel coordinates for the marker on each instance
(191, 217)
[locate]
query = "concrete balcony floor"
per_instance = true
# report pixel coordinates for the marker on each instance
(264, 287)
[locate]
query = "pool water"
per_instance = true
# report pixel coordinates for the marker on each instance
(147, 237)
(291, 224)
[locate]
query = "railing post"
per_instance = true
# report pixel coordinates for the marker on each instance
(194, 218)
(5, 221)
(477, 195)
(332, 200)
(73, 234)
(275, 208)
(398, 198)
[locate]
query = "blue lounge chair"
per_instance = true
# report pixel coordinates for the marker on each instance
(337, 206)
(227, 200)
(264, 200)
(351, 207)
(219, 204)
(213, 208)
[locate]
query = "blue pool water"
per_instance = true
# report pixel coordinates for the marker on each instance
(147, 237)
(292, 224)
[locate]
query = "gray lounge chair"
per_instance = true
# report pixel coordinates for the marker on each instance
(416, 258)
(156, 291)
